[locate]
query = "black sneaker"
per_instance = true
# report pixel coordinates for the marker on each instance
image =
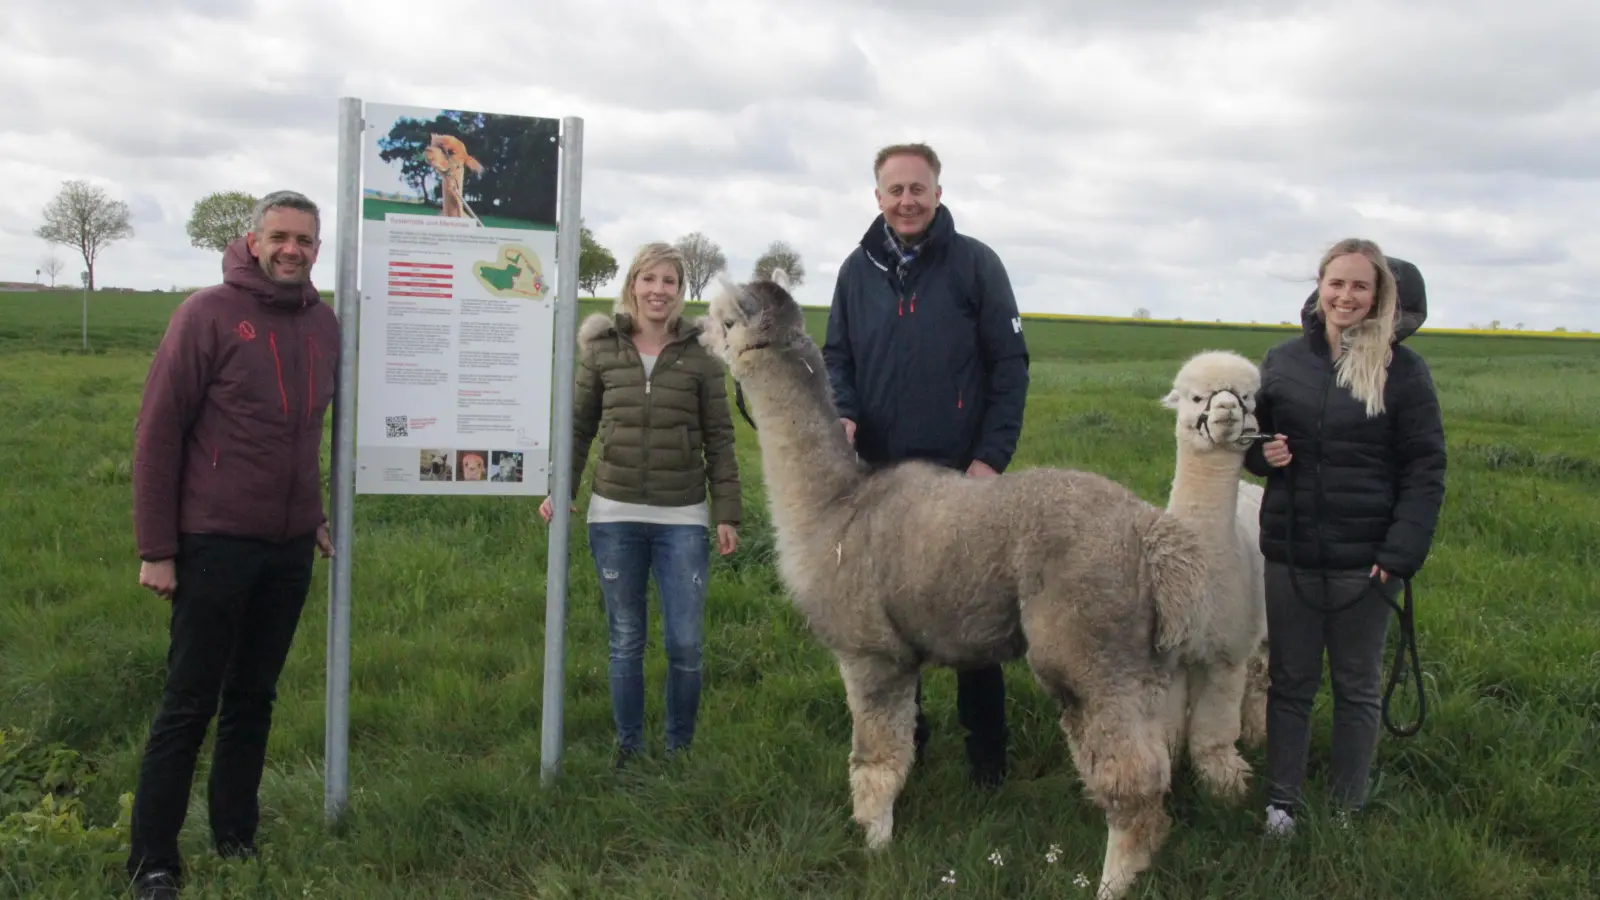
(156, 885)
(245, 852)
(625, 755)
(987, 774)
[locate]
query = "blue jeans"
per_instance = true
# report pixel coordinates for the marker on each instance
(625, 554)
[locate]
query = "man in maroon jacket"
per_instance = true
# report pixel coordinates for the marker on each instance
(227, 508)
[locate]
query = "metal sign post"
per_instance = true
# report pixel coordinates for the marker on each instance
(566, 335)
(336, 748)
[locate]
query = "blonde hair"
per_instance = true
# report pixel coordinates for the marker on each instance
(649, 256)
(1363, 367)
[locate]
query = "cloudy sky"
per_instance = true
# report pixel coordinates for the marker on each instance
(1193, 158)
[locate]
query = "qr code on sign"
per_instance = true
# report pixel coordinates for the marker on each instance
(397, 426)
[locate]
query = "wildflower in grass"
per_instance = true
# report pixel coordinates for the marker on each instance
(1053, 855)
(1081, 881)
(949, 878)
(996, 859)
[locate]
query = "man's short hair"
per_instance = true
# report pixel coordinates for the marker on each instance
(284, 200)
(918, 149)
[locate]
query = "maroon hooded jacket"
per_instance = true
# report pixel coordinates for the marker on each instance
(229, 435)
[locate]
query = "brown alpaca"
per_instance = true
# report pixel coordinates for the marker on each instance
(1223, 697)
(449, 157)
(915, 565)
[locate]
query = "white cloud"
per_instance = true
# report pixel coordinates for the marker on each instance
(1194, 159)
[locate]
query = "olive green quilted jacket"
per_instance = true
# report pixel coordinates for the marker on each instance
(662, 438)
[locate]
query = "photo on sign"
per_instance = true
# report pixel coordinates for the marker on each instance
(506, 466)
(486, 169)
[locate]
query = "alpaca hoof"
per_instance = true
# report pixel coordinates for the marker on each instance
(1112, 888)
(879, 831)
(1226, 776)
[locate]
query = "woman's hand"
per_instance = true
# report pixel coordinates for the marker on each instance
(727, 539)
(1383, 575)
(548, 511)
(1277, 452)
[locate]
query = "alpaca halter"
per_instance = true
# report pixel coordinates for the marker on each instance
(1203, 424)
(738, 388)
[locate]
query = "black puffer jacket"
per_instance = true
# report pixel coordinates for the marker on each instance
(1366, 490)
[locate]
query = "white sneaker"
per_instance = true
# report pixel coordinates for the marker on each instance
(1279, 822)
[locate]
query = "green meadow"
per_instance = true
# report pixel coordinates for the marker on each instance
(1497, 797)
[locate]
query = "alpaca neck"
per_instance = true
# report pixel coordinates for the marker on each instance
(1205, 489)
(806, 462)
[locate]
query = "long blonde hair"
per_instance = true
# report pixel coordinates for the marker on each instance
(1363, 367)
(650, 255)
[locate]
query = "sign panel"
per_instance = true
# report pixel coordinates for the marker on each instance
(458, 223)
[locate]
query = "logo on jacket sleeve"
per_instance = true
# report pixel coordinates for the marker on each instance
(1016, 325)
(246, 330)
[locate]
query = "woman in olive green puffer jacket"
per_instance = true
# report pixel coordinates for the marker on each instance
(658, 403)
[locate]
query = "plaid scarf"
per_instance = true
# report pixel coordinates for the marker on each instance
(903, 256)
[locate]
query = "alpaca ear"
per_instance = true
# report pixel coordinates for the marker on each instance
(780, 278)
(727, 287)
(1171, 400)
(746, 305)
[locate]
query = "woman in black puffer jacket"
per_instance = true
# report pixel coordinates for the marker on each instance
(1355, 482)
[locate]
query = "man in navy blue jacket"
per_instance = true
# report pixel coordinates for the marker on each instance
(927, 361)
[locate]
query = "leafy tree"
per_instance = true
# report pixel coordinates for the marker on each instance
(220, 218)
(1141, 313)
(702, 260)
(596, 265)
(779, 255)
(84, 217)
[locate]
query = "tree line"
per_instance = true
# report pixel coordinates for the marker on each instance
(84, 217)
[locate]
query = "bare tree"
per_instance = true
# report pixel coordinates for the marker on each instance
(702, 260)
(84, 217)
(51, 265)
(780, 255)
(1141, 313)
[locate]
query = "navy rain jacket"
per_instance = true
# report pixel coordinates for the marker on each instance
(928, 360)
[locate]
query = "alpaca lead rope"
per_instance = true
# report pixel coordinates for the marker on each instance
(1407, 642)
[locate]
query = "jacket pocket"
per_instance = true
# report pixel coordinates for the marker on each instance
(685, 447)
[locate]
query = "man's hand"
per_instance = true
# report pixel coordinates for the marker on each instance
(160, 576)
(324, 540)
(981, 469)
(727, 539)
(849, 430)
(1383, 574)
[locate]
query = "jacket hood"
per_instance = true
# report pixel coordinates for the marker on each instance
(599, 325)
(938, 235)
(241, 270)
(1412, 301)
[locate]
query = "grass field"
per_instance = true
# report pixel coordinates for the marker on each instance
(1496, 798)
(377, 209)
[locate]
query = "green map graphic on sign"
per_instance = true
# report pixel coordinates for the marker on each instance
(516, 273)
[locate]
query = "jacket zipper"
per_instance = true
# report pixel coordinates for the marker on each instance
(1316, 498)
(661, 362)
(294, 449)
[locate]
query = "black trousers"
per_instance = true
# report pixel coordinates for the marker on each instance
(981, 708)
(234, 616)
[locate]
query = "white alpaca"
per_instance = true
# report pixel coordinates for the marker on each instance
(1223, 698)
